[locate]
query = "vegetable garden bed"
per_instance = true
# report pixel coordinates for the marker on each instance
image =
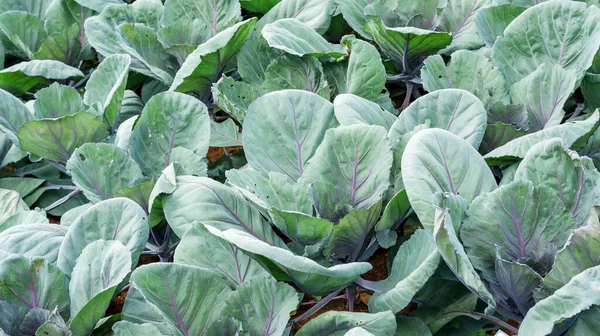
(299, 167)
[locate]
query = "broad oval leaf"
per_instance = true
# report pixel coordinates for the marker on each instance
(407, 47)
(308, 275)
(337, 323)
(25, 31)
(21, 77)
(544, 92)
(189, 298)
(555, 32)
(33, 240)
(351, 110)
(357, 159)
(10, 204)
(215, 15)
(577, 295)
(107, 86)
(57, 101)
(467, 70)
(100, 268)
(313, 13)
(453, 253)
(100, 170)
(289, 72)
(416, 261)
(169, 120)
(575, 135)
(579, 254)
(574, 179)
(203, 66)
(57, 139)
(296, 38)
(13, 114)
(124, 328)
(33, 283)
(434, 161)
(365, 76)
(283, 129)
(209, 202)
(114, 219)
(263, 306)
(492, 21)
(524, 220)
(454, 110)
(202, 248)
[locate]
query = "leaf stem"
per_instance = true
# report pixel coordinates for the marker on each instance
(319, 305)
(477, 316)
(63, 200)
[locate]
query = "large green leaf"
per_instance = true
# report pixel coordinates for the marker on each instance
(544, 92)
(296, 38)
(57, 101)
(587, 323)
(101, 169)
(579, 254)
(365, 75)
(458, 19)
(13, 114)
(57, 139)
(337, 323)
(414, 263)
(407, 47)
(575, 135)
(124, 328)
(273, 191)
(577, 295)
(25, 31)
(304, 230)
(574, 179)
(235, 97)
(254, 58)
(102, 32)
(565, 33)
(352, 232)
(142, 43)
(357, 159)
(313, 13)
(263, 306)
(492, 21)
(182, 37)
(204, 66)
(353, 12)
(138, 310)
(201, 248)
(516, 283)
(453, 253)
(212, 203)
(290, 72)
(308, 275)
(499, 134)
(62, 15)
(33, 283)
(225, 134)
(467, 70)
(100, 268)
(10, 204)
(434, 161)
(454, 110)
(351, 110)
(107, 87)
(22, 77)
(115, 219)
(33, 240)
(283, 129)
(189, 298)
(519, 218)
(64, 46)
(215, 15)
(34, 7)
(170, 120)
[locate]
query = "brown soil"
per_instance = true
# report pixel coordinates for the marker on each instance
(379, 262)
(214, 153)
(116, 304)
